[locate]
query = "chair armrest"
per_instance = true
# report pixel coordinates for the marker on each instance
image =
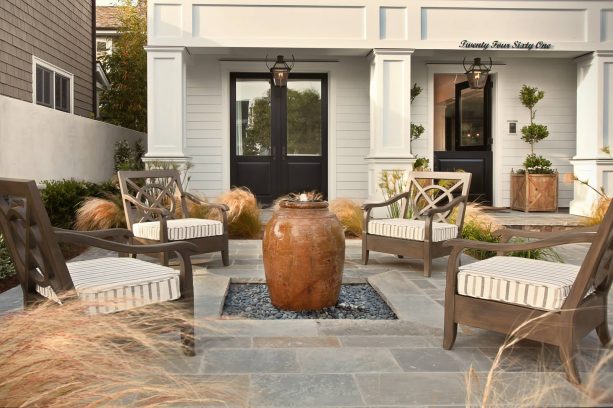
(114, 234)
(156, 210)
(392, 200)
(555, 240)
(75, 237)
(190, 196)
(507, 233)
(447, 207)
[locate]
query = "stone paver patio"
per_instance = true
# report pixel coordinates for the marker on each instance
(346, 363)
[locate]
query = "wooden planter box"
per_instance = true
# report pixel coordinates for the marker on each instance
(534, 192)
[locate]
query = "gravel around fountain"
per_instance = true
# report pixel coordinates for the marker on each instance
(356, 301)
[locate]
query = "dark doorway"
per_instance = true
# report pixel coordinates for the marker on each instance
(279, 136)
(467, 131)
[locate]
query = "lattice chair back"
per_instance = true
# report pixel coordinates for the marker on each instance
(430, 189)
(160, 190)
(28, 233)
(596, 273)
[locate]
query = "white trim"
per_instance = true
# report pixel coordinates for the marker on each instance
(37, 61)
(305, 67)
(498, 127)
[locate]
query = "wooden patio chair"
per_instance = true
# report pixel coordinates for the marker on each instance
(548, 302)
(150, 200)
(424, 222)
(105, 285)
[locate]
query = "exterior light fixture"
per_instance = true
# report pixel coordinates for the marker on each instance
(280, 70)
(477, 73)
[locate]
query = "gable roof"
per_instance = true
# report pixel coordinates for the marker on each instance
(108, 17)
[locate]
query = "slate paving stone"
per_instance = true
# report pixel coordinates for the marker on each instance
(228, 342)
(440, 360)
(250, 361)
(352, 360)
(304, 390)
(389, 341)
(295, 342)
(375, 328)
(412, 388)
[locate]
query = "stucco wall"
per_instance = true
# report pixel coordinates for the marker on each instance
(41, 144)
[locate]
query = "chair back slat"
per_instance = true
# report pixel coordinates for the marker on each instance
(431, 189)
(159, 189)
(29, 236)
(596, 272)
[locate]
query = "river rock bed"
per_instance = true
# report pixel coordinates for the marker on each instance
(356, 301)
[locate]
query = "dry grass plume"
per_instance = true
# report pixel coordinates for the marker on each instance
(57, 356)
(244, 214)
(100, 213)
(350, 214)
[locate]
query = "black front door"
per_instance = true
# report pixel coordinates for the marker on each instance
(279, 135)
(468, 139)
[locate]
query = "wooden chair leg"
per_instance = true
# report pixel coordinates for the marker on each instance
(450, 332)
(602, 330)
(188, 335)
(225, 257)
(427, 260)
(567, 355)
(365, 252)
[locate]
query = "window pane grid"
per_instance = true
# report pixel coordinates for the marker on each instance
(52, 89)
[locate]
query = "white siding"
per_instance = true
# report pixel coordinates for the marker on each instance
(204, 126)
(352, 128)
(557, 110)
(350, 78)
(419, 110)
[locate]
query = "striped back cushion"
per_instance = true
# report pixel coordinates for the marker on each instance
(108, 285)
(412, 229)
(186, 228)
(527, 282)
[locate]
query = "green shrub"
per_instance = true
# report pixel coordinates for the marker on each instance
(127, 157)
(62, 198)
(479, 231)
(7, 268)
(536, 165)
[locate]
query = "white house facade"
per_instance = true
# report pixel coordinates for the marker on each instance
(346, 111)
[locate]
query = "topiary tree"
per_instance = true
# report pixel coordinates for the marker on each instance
(534, 132)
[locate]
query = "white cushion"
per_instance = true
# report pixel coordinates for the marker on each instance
(412, 229)
(109, 285)
(186, 228)
(527, 282)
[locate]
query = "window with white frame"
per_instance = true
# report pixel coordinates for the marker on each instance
(52, 86)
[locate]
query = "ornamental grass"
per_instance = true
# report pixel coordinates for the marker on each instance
(100, 213)
(350, 215)
(244, 213)
(57, 356)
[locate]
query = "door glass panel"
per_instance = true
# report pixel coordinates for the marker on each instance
(472, 131)
(304, 118)
(253, 134)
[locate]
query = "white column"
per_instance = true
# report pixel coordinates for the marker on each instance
(390, 115)
(594, 129)
(166, 94)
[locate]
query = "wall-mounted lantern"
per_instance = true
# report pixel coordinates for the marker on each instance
(280, 70)
(477, 73)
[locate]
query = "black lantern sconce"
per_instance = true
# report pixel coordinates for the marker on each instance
(280, 70)
(477, 73)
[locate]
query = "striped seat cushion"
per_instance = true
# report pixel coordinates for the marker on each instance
(527, 282)
(187, 228)
(411, 229)
(109, 285)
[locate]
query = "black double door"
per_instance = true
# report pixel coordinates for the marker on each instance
(468, 139)
(279, 134)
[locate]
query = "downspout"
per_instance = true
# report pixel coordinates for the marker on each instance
(94, 90)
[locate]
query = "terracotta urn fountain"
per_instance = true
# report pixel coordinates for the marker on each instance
(304, 255)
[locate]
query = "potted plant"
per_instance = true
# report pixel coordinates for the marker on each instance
(535, 186)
